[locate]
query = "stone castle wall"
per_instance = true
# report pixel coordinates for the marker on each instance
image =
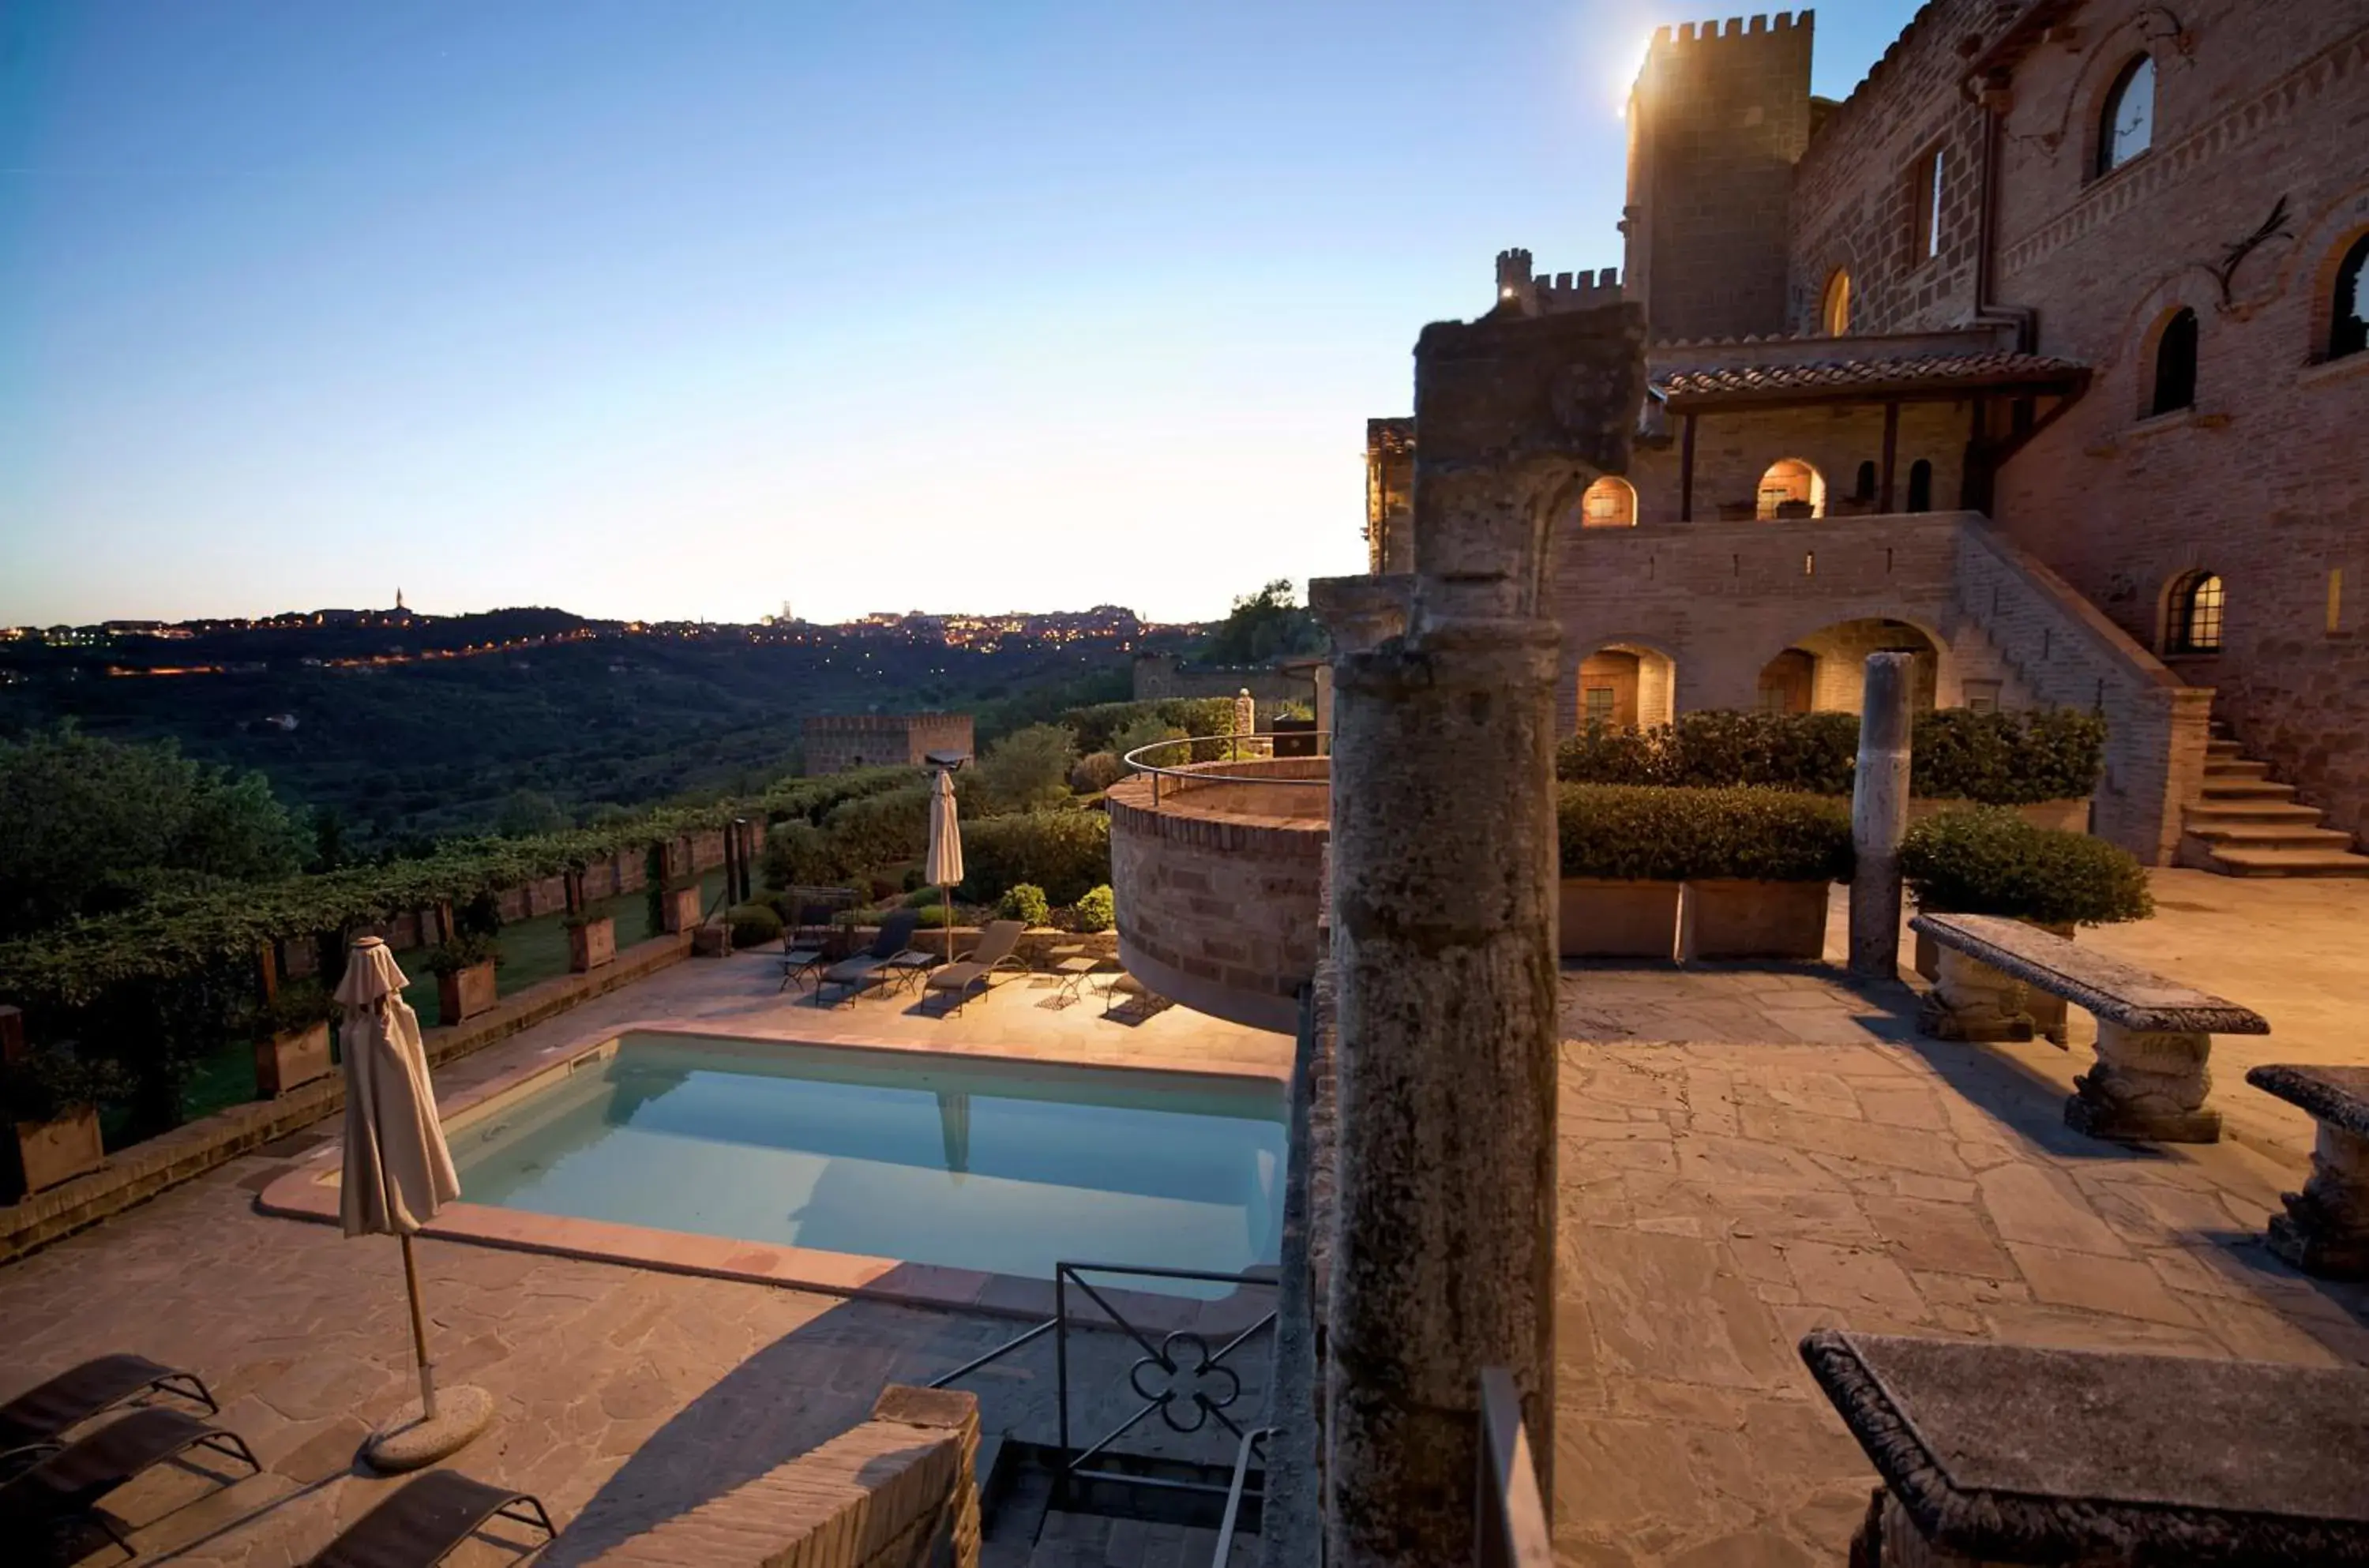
(839, 743)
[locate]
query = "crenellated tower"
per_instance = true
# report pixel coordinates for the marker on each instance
(1719, 116)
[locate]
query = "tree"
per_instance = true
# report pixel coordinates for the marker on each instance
(1262, 626)
(1029, 768)
(527, 812)
(87, 824)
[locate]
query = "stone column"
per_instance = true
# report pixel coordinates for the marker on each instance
(2326, 1228)
(2149, 1087)
(1444, 854)
(1880, 817)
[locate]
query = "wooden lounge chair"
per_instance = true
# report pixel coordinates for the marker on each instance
(994, 951)
(851, 975)
(420, 1526)
(57, 1500)
(804, 952)
(31, 1424)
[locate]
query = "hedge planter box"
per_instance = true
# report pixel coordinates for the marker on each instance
(465, 993)
(591, 944)
(2068, 816)
(680, 910)
(1608, 918)
(1728, 919)
(50, 1153)
(284, 1061)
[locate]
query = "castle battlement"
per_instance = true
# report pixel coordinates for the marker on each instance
(1697, 33)
(1542, 293)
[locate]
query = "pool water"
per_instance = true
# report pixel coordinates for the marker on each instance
(1004, 1167)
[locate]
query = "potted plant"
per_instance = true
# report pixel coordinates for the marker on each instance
(1759, 862)
(591, 941)
(680, 911)
(1989, 860)
(291, 1044)
(463, 968)
(1621, 874)
(50, 1099)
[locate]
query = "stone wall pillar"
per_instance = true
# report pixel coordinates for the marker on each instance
(1880, 816)
(1444, 908)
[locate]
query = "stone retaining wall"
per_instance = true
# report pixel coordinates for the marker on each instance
(138, 1174)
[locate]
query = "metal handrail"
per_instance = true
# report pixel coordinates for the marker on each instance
(1255, 1438)
(1510, 1527)
(1201, 773)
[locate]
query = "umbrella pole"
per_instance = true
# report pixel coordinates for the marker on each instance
(419, 1335)
(946, 902)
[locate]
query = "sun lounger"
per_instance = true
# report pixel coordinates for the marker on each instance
(994, 951)
(57, 1500)
(851, 975)
(39, 1415)
(420, 1526)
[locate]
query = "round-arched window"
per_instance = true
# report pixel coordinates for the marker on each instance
(1791, 488)
(1833, 311)
(2175, 364)
(2194, 625)
(2348, 330)
(2127, 127)
(1609, 503)
(1920, 485)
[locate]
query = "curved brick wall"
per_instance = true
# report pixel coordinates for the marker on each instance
(1217, 888)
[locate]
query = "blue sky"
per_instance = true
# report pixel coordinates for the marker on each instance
(688, 307)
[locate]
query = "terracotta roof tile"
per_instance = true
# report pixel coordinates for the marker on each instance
(1847, 376)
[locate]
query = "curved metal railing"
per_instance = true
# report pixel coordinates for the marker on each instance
(1224, 749)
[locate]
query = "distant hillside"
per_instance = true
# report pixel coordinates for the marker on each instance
(587, 715)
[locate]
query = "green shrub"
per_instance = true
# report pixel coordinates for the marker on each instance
(45, 1085)
(800, 854)
(873, 832)
(754, 925)
(1024, 902)
(1064, 853)
(1151, 731)
(465, 951)
(925, 898)
(1097, 910)
(2000, 758)
(1986, 859)
(1096, 772)
(1029, 768)
(297, 1007)
(1767, 835)
(937, 916)
(2009, 757)
(1097, 727)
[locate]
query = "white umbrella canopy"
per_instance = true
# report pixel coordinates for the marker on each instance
(397, 1172)
(943, 866)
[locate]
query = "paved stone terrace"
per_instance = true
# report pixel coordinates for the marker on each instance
(1801, 1158)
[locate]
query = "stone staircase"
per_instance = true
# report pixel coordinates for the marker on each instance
(2244, 825)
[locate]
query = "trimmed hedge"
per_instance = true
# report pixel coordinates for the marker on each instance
(1065, 852)
(1999, 758)
(1986, 859)
(754, 925)
(1675, 835)
(1098, 911)
(1098, 726)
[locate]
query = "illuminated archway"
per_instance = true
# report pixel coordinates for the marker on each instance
(1834, 310)
(1610, 502)
(1792, 488)
(1626, 686)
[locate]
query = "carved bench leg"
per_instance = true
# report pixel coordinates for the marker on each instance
(1971, 1000)
(2146, 1088)
(2326, 1228)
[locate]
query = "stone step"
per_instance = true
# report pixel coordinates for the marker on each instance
(2232, 862)
(2204, 812)
(2271, 835)
(2218, 748)
(2246, 789)
(2234, 768)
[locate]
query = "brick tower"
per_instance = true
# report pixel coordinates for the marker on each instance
(1720, 115)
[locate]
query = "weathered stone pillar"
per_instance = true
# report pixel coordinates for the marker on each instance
(2149, 1087)
(1880, 817)
(1444, 854)
(2326, 1228)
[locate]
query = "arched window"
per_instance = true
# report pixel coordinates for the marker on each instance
(1920, 485)
(1609, 503)
(1834, 312)
(2194, 625)
(1863, 488)
(2175, 364)
(1790, 488)
(2127, 127)
(2348, 331)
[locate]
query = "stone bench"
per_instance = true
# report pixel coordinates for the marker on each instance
(2154, 1035)
(2005, 1453)
(2326, 1228)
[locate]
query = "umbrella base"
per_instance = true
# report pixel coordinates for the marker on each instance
(407, 1442)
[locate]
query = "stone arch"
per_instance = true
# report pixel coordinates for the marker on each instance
(1920, 484)
(1791, 487)
(1834, 303)
(2122, 122)
(1609, 502)
(1626, 685)
(1820, 670)
(2170, 362)
(2340, 298)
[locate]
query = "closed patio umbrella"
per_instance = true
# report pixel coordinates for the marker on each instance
(943, 865)
(397, 1173)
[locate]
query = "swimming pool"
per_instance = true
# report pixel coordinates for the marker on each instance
(988, 1165)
